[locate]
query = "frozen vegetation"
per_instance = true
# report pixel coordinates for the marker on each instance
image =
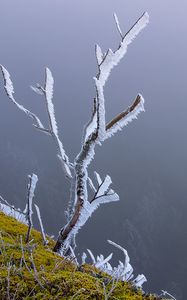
(81, 204)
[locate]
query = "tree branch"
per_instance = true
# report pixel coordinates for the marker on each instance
(125, 116)
(8, 85)
(53, 131)
(97, 131)
(31, 188)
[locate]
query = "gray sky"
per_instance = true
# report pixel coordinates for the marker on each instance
(147, 161)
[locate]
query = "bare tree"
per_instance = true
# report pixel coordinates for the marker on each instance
(81, 206)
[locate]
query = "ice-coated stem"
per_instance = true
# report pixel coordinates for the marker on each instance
(30, 195)
(96, 132)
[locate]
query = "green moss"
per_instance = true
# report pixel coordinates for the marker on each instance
(33, 271)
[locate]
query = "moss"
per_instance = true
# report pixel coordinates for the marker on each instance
(33, 271)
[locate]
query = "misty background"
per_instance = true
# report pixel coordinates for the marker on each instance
(146, 161)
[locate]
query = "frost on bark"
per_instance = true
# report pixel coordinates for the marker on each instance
(81, 205)
(33, 179)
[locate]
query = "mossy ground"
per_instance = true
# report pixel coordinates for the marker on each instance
(33, 271)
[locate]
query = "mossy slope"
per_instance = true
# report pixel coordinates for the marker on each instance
(33, 271)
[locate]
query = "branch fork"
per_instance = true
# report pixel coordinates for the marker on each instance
(80, 207)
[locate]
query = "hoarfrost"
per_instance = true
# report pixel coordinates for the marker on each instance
(84, 256)
(104, 187)
(123, 271)
(117, 25)
(165, 293)
(98, 177)
(49, 82)
(86, 212)
(8, 85)
(41, 224)
(139, 281)
(99, 54)
(91, 184)
(37, 89)
(113, 58)
(131, 115)
(31, 188)
(11, 211)
(91, 127)
(33, 179)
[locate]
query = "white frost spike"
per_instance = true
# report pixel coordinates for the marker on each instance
(41, 224)
(49, 82)
(139, 280)
(127, 119)
(84, 256)
(103, 261)
(165, 293)
(127, 259)
(31, 188)
(92, 256)
(109, 267)
(98, 178)
(111, 196)
(125, 270)
(33, 179)
(73, 256)
(104, 194)
(104, 187)
(91, 184)
(101, 123)
(91, 127)
(117, 25)
(99, 54)
(8, 85)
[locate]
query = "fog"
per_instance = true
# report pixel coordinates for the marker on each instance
(146, 161)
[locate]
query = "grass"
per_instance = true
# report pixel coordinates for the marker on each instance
(33, 271)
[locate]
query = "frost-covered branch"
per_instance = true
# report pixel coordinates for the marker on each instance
(11, 211)
(41, 224)
(83, 211)
(81, 205)
(8, 85)
(165, 293)
(47, 91)
(118, 25)
(125, 116)
(96, 131)
(107, 63)
(30, 195)
(123, 271)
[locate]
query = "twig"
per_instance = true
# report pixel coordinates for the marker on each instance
(114, 284)
(41, 225)
(35, 275)
(8, 281)
(31, 188)
(78, 292)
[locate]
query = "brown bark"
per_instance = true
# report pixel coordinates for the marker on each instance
(123, 113)
(67, 229)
